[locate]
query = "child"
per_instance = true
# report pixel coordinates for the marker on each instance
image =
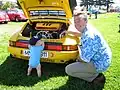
(36, 46)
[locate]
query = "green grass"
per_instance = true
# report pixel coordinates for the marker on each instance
(108, 26)
(13, 71)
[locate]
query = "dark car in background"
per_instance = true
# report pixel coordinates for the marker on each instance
(4, 17)
(16, 15)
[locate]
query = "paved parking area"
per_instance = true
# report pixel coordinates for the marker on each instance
(10, 27)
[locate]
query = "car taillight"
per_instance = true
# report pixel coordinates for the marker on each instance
(48, 46)
(20, 43)
(12, 43)
(60, 47)
(69, 47)
(53, 47)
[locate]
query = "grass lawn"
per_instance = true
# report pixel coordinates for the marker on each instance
(13, 71)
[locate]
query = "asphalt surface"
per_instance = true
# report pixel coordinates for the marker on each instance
(10, 28)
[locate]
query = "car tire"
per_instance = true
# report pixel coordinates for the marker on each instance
(11, 56)
(5, 22)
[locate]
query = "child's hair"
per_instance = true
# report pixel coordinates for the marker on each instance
(34, 39)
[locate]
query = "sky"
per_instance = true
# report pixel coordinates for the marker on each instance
(117, 1)
(10, 0)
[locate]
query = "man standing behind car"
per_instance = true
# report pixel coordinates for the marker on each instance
(94, 53)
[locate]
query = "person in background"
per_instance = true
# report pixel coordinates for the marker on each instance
(95, 11)
(36, 45)
(90, 11)
(94, 53)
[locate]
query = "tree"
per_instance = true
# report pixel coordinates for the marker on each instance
(97, 2)
(7, 5)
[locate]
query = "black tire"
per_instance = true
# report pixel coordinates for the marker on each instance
(11, 56)
(6, 22)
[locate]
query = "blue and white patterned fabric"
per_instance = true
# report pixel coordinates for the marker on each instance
(94, 49)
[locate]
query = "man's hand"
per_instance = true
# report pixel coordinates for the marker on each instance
(73, 31)
(78, 34)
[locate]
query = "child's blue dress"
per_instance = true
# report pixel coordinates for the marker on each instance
(35, 55)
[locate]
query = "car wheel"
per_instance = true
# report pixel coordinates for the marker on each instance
(5, 22)
(11, 56)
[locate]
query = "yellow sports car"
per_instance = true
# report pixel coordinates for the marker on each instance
(51, 19)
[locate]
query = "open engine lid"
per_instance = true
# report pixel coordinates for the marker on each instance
(46, 9)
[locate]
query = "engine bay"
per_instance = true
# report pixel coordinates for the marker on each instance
(46, 30)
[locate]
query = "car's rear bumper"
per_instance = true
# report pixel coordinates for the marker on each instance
(53, 56)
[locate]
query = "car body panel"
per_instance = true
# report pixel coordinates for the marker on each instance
(54, 57)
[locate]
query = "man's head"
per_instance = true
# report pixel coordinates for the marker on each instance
(80, 19)
(34, 40)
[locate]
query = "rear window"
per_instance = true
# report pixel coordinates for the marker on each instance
(47, 12)
(27, 30)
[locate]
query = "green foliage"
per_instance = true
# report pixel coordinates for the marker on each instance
(98, 2)
(7, 5)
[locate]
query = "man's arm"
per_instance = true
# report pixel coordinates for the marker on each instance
(78, 34)
(73, 31)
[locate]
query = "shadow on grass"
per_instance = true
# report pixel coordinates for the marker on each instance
(79, 84)
(13, 73)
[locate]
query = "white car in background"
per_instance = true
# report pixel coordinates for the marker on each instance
(115, 8)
